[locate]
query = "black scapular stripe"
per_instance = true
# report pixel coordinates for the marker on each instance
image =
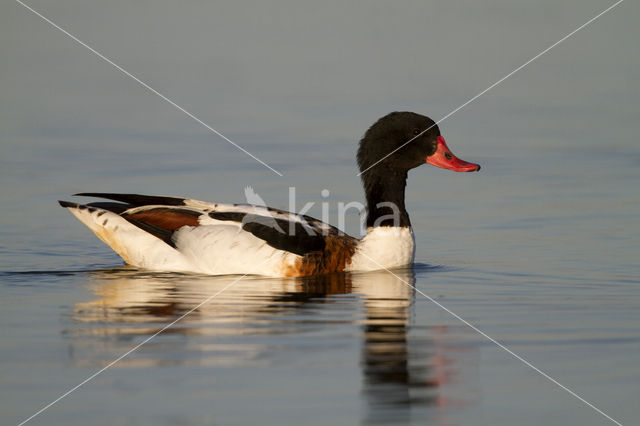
(228, 216)
(280, 234)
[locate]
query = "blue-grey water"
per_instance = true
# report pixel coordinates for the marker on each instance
(540, 250)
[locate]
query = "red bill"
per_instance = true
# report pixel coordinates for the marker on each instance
(444, 158)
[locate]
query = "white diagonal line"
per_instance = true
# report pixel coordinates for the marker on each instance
(494, 84)
(491, 339)
(136, 347)
(146, 86)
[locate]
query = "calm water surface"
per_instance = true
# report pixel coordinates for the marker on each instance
(539, 250)
(558, 285)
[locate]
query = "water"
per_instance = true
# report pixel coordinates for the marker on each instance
(539, 250)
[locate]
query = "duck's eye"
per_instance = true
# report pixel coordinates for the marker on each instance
(416, 132)
(448, 156)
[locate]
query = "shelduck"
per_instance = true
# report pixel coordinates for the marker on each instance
(186, 235)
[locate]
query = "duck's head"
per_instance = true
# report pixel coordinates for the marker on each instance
(400, 141)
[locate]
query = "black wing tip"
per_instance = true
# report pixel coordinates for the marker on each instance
(68, 204)
(104, 194)
(135, 199)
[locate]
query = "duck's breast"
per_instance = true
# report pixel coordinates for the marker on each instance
(384, 247)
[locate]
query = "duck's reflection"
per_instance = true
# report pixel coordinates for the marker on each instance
(400, 370)
(393, 373)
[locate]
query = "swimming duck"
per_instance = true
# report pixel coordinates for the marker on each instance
(186, 235)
